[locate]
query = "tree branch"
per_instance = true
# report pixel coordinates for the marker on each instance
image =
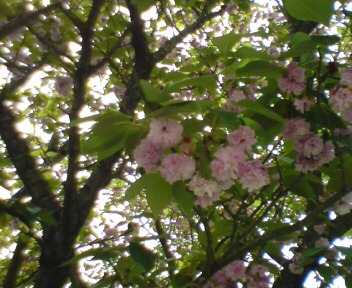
(19, 152)
(15, 264)
(25, 20)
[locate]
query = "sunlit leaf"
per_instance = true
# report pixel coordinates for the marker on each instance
(225, 42)
(311, 10)
(260, 68)
(142, 255)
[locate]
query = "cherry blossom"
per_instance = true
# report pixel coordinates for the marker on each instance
(295, 128)
(165, 133)
(201, 186)
(303, 105)
(296, 265)
(253, 175)
(346, 77)
(63, 85)
(176, 167)
(147, 155)
(293, 80)
(242, 138)
(309, 145)
(258, 277)
(225, 166)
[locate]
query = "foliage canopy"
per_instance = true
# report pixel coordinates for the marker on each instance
(175, 143)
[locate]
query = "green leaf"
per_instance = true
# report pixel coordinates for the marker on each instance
(158, 195)
(183, 198)
(249, 52)
(326, 272)
(143, 5)
(207, 81)
(108, 134)
(158, 191)
(184, 107)
(305, 47)
(152, 93)
(311, 10)
(260, 68)
(142, 255)
(105, 282)
(260, 109)
(311, 252)
(326, 40)
(226, 42)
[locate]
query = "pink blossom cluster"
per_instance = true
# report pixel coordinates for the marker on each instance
(228, 276)
(63, 85)
(341, 97)
(230, 162)
(293, 80)
(234, 96)
(148, 154)
(311, 149)
(256, 276)
(296, 265)
(303, 105)
(344, 205)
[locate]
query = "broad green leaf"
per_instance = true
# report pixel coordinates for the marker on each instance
(142, 255)
(258, 108)
(249, 52)
(305, 47)
(183, 198)
(158, 195)
(311, 10)
(157, 190)
(260, 68)
(207, 81)
(108, 134)
(97, 253)
(226, 42)
(152, 93)
(326, 272)
(140, 184)
(143, 5)
(105, 282)
(311, 252)
(184, 107)
(326, 40)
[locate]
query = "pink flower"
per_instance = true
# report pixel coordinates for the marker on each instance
(309, 145)
(243, 138)
(320, 229)
(236, 270)
(165, 133)
(226, 163)
(258, 277)
(296, 265)
(322, 243)
(207, 200)
(341, 99)
(303, 105)
(118, 91)
(293, 81)
(201, 186)
(63, 85)
(346, 77)
(253, 175)
(177, 167)
(295, 128)
(147, 155)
